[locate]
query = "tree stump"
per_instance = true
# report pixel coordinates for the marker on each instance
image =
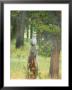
(32, 67)
(32, 63)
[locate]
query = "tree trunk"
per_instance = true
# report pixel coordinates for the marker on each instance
(32, 68)
(54, 63)
(20, 30)
(32, 64)
(13, 27)
(27, 32)
(31, 31)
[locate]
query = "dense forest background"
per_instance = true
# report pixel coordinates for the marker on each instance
(46, 26)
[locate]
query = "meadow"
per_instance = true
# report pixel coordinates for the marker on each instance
(18, 62)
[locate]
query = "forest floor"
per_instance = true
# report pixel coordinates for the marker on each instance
(18, 63)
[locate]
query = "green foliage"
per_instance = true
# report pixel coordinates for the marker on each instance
(44, 48)
(49, 28)
(41, 20)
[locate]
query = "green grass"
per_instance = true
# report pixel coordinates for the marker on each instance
(18, 63)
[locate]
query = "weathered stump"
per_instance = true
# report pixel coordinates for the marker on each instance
(32, 62)
(32, 67)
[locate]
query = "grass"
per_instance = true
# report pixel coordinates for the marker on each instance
(18, 63)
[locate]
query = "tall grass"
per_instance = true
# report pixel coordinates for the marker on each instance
(18, 62)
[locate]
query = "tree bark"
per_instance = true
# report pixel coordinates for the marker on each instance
(32, 64)
(54, 62)
(20, 29)
(27, 32)
(31, 31)
(13, 27)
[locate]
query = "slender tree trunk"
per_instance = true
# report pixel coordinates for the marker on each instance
(27, 32)
(31, 31)
(54, 63)
(20, 30)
